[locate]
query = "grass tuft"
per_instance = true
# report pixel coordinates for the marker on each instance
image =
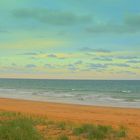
(63, 137)
(62, 125)
(98, 132)
(18, 128)
(122, 132)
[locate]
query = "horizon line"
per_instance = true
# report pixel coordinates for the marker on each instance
(70, 79)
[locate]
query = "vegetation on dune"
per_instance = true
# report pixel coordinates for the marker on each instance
(62, 125)
(16, 126)
(99, 132)
(63, 137)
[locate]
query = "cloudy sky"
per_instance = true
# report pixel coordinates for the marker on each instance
(70, 39)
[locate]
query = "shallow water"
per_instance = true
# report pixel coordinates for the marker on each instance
(120, 93)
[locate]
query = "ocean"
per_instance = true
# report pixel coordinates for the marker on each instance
(116, 93)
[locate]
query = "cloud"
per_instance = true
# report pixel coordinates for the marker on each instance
(133, 61)
(97, 66)
(121, 65)
(51, 17)
(103, 58)
(50, 66)
(52, 55)
(87, 49)
(61, 56)
(126, 57)
(71, 67)
(137, 67)
(31, 66)
(118, 64)
(78, 62)
(130, 24)
(13, 64)
(106, 29)
(4, 31)
(133, 20)
(127, 72)
(118, 29)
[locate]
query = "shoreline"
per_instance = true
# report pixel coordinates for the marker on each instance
(125, 105)
(50, 109)
(59, 103)
(69, 103)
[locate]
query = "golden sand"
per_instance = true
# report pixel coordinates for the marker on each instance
(127, 117)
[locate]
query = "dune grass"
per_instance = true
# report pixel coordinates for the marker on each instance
(61, 125)
(99, 132)
(18, 129)
(63, 137)
(16, 126)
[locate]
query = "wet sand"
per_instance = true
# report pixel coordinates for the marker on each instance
(116, 117)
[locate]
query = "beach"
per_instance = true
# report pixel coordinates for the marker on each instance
(129, 118)
(70, 70)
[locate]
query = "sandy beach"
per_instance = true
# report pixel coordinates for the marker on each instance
(116, 117)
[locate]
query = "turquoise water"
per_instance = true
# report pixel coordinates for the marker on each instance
(121, 93)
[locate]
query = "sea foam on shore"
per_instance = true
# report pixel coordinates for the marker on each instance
(86, 92)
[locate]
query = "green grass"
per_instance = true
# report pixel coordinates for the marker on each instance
(16, 126)
(122, 132)
(62, 125)
(63, 137)
(98, 132)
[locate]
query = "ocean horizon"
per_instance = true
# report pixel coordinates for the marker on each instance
(115, 93)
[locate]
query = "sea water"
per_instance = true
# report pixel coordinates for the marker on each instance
(117, 93)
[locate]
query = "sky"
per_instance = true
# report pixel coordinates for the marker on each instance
(70, 39)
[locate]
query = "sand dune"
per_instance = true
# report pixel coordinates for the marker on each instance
(129, 118)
